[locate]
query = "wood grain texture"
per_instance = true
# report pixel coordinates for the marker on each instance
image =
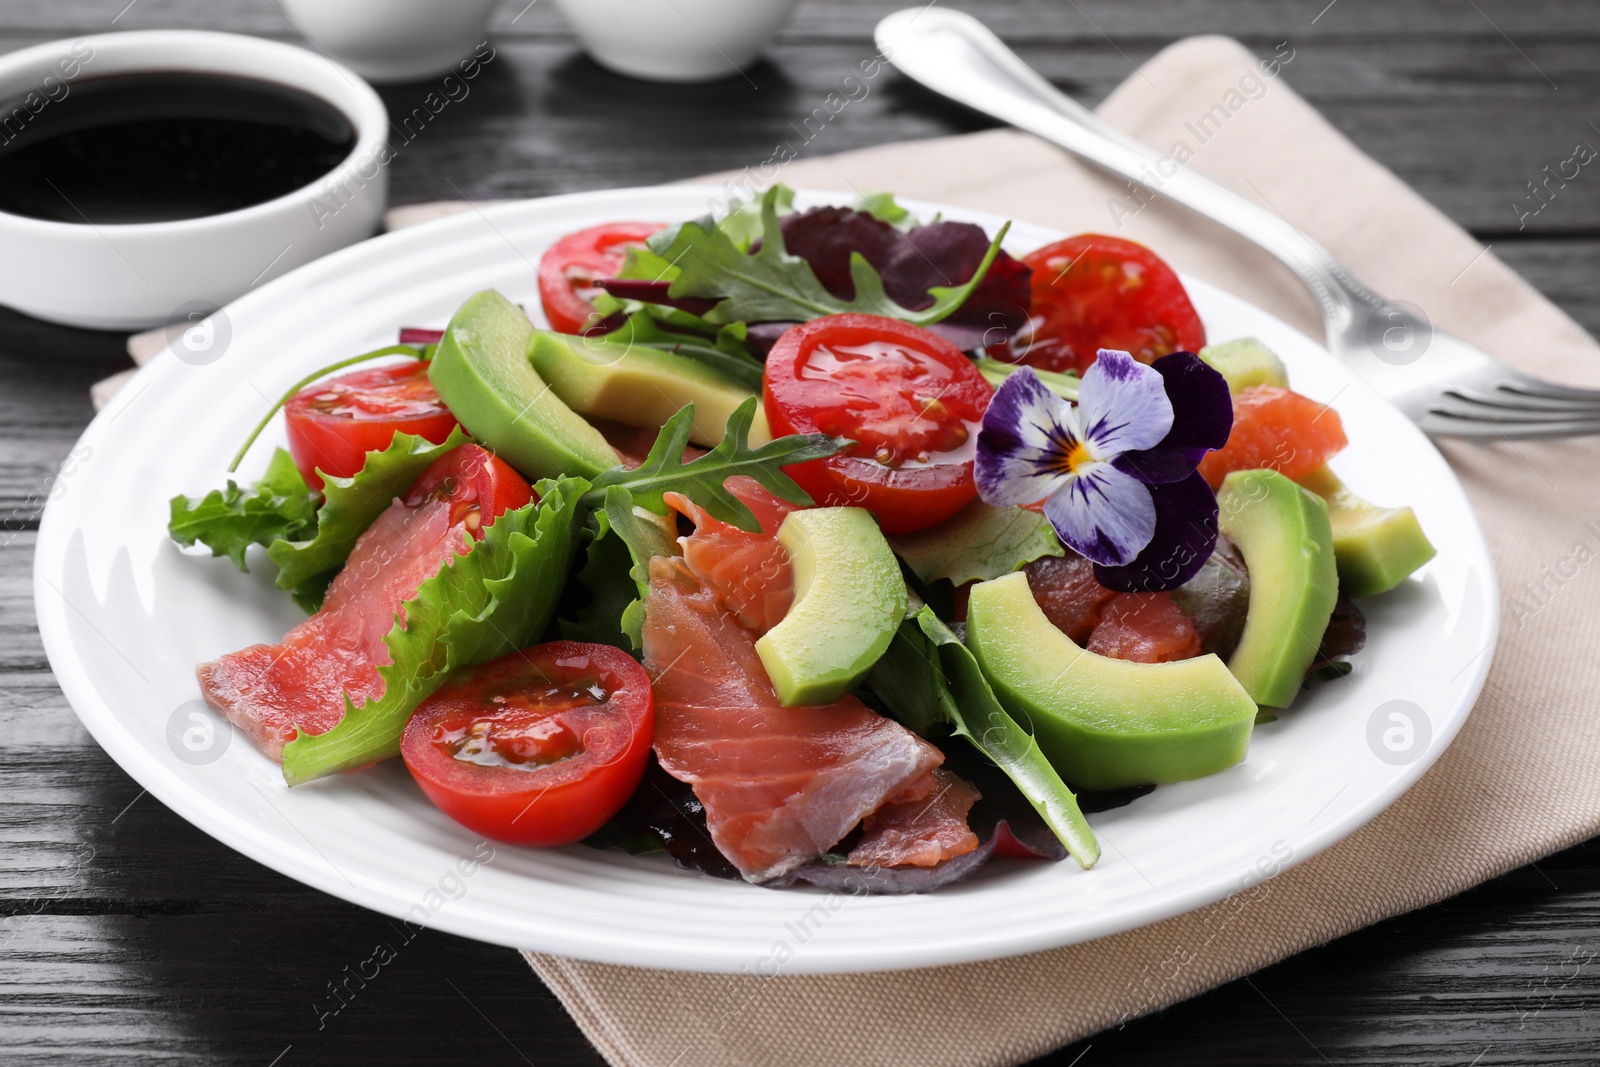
(126, 935)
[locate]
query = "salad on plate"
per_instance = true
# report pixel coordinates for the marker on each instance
(800, 544)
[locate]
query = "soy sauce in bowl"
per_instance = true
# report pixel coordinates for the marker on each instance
(158, 147)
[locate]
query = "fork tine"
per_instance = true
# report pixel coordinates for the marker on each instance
(1521, 402)
(1526, 385)
(1482, 425)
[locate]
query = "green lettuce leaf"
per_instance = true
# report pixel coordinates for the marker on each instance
(1063, 384)
(230, 520)
(743, 225)
(494, 599)
(306, 564)
(617, 572)
(930, 682)
(887, 209)
(773, 286)
(978, 543)
(701, 480)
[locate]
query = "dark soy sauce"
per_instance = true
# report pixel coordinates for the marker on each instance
(164, 146)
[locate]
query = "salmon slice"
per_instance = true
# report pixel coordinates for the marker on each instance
(1066, 591)
(921, 826)
(1145, 628)
(780, 785)
(749, 572)
(272, 692)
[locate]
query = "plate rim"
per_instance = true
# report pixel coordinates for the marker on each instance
(186, 799)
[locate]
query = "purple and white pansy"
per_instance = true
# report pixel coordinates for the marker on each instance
(1117, 471)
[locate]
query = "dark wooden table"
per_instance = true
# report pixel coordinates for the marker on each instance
(129, 935)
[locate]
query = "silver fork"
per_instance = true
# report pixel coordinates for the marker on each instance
(1456, 390)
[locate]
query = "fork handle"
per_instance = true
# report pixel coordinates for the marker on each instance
(954, 54)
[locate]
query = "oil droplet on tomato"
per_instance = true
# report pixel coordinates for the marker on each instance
(525, 729)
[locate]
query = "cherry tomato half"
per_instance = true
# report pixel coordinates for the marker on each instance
(1092, 292)
(473, 480)
(908, 398)
(539, 747)
(569, 267)
(333, 424)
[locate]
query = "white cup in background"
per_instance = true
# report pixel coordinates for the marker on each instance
(394, 40)
(675, 40)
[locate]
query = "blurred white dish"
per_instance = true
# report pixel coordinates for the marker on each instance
(675, 40)
(130, 276)
(393, 40)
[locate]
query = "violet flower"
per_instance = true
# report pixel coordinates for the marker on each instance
(1117, 471)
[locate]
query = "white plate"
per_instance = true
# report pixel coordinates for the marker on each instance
(126, 616)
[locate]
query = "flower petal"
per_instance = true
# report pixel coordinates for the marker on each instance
(1028, 431)
(1123, 405)
(1103, 514)
(1202, 418)
(1184, 537)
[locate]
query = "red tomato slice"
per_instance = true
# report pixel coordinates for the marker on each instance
(335, 423)
(1092, 292)
(472, 479)
(569, 267)
(539, 747)
(908, 398)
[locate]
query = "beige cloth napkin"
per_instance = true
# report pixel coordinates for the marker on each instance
(1518, 782)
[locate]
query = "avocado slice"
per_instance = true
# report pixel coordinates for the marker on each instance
(1284, 535)
(635, 384)
(1375, 548)
(1244, 363)
(482, 372)
(849, 599)
(1105, 723)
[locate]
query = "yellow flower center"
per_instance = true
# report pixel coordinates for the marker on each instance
(1076, 457)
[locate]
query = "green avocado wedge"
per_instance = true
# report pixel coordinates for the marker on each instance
(849, 598)
(482, 372)
(634, 384)
(1374, 548)
(1105, 723)
(1284, 535)
(1245, 362)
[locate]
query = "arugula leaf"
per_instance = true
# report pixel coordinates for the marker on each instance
(773, 286)
(664, 471)
(349, 506)
(720, 348)
(230, 520)
(617, 572)
(977, 543)
(494, 599)
(930, 682)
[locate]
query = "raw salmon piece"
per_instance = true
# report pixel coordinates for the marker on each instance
(780, 785)
(770, 509)
(1278, 429)
(271, 692)
(921, 826)
(1066, 591)
(749, 572)
(1145, 628)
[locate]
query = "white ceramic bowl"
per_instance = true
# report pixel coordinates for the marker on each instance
(393, 40)
(676, 41)
(136, 275)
